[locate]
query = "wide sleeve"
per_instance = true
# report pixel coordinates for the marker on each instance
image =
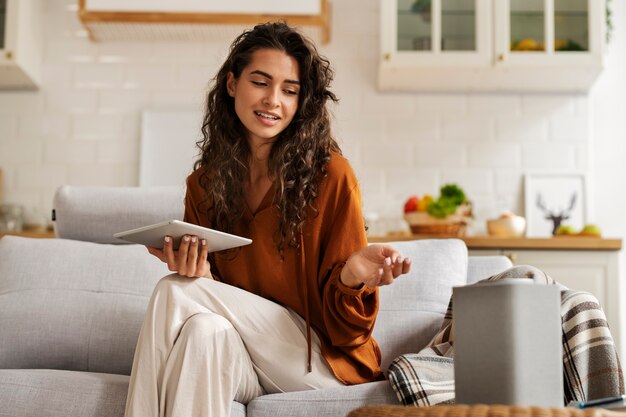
(194, 198)
(349, 314)
(192, 202)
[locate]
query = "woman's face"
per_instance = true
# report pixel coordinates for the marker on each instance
(266, 94)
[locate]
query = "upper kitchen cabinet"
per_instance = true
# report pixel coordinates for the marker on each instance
(197, 20)
(491, 45)
(20, 44)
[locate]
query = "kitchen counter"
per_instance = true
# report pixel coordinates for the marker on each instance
(491, 242)
(35, 233)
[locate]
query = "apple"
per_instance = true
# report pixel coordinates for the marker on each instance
(590, 230)
(565, 229)
(411, 204)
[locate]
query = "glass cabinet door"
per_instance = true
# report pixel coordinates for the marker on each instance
(571, 25)
(436, 25)
(568, 23)
(561, 30)
(527, 25)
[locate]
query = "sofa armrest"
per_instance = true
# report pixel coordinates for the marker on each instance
(94, 214)
(481, 267)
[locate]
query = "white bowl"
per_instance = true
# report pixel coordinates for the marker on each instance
(513, 226)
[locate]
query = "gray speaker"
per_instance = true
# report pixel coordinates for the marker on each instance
(507, 346)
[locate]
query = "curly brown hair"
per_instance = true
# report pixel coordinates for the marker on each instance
(298, 158)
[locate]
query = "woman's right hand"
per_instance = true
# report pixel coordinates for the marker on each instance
(188, 261)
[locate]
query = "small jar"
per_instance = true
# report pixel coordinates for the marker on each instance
(11, 218)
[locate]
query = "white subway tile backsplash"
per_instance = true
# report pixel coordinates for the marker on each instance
(359, 129)
(494, 104)
(26, 197)
(184, 53)
(123, 101)
(71, 152)
(521, 129)
(419, 129)
(117, 175)
(71, 100)
(36, 176)
(69, 50)
(24, 150)
(195, 77)
(493, 156)
(583, 157)
(541, 104)
(466, 129)
(125, 52)
(367, 23)
(403, 182)
(161, 76)
(118, 151)
(508, 181)
(548, 156)
(55, 126)
(371, 182)
(389, 104)
(440, 155)
(57, 75)
(20, 102)
(568, 128)
(98, 75)
(475, 182)
(97, 126)
(8, 174)
(351, 151)
(387, 155)
(192, 99)
(451, 105)
(8, 127)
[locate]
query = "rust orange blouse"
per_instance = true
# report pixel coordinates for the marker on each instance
(342, 317)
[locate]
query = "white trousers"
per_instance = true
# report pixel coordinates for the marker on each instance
(204, 344)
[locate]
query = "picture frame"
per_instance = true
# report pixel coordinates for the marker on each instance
(553, 199)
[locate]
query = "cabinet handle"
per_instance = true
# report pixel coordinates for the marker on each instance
(8, 55)
(387, 57)
(501, 57)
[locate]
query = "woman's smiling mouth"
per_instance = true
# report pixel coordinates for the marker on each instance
(267, 118)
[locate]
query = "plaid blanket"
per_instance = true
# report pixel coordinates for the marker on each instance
(591, 368)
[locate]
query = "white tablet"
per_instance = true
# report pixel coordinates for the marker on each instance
(153, 235)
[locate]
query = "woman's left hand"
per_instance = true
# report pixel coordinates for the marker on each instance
(374, 265)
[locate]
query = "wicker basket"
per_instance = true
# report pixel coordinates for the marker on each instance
(422, 223)
(452, 229)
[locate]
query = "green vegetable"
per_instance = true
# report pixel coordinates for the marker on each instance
(454, 193)
(451, 196)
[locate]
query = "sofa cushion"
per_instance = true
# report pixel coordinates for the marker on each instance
(330, 402)
(53, 393)
(412, 308)
(73, 305)
(94, 214)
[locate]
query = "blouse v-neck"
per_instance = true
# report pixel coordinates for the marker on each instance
(265, 203)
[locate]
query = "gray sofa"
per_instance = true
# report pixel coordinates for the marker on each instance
(71, 309)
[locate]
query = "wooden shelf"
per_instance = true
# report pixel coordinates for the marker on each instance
(490, 242)
(36, 233)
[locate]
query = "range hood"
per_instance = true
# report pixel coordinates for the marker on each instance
(197, 20)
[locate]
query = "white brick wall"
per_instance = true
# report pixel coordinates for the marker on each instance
(83, 125)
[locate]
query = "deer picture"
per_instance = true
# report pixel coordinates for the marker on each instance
(556, 217)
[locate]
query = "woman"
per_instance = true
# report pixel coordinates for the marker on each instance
(295, 309)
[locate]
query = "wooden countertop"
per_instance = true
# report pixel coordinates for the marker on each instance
(472, 242)
(490, 242)
(38, 233)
